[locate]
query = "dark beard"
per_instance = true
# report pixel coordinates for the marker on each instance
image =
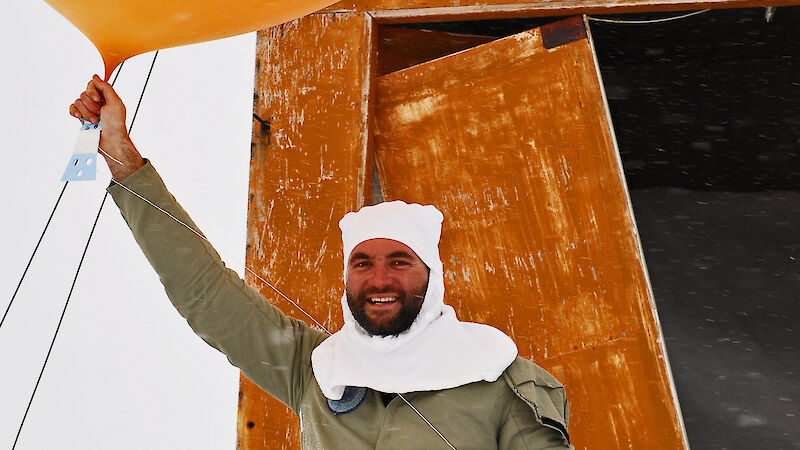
(400, 323)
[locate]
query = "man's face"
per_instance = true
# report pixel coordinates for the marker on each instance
(386, 283)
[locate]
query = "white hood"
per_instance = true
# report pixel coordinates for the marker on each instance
(437, 351)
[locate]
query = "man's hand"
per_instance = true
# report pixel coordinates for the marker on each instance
(100, 100)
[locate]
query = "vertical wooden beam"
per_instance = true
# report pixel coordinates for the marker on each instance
(311, 162)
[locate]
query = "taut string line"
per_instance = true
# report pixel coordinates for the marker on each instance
(200, 235)
(58, 327)
(41, 237)
(30, 260)
(278, 291)
(78, 270)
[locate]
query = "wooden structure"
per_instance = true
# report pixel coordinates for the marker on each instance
(512, 140)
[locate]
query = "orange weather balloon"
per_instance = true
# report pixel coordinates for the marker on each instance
(124, 28)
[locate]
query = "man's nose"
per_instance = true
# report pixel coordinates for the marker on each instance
(381, 278)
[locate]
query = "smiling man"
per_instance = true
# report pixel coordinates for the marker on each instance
(386, 286)
(402, 373)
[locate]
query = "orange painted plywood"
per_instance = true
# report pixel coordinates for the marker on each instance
(310, 164)
(614, 375)
(512, 141)
(399, 48)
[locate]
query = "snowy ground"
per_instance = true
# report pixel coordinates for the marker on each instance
(725, 269)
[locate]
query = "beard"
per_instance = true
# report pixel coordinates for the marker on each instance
(410, 305)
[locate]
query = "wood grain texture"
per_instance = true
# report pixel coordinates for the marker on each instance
(512, 142)
(311, 162)
(399, 48)
(406, 11)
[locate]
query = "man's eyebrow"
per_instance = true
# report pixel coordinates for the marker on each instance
(401, 254)
(358, 255)
(397, 254)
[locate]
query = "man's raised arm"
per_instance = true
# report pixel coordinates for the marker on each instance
(272, 350)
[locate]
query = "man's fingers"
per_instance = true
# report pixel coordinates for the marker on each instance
(73, 111)
(84, 111)
(90, 104)
(99, 96)
(105, 89)
(93, 93)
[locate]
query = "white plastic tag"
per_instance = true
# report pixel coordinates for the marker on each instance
(83, 163)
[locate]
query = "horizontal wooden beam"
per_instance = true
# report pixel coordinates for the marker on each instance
(409, 11)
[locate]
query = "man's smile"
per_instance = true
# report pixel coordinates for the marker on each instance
(378, 300)
(383, 308)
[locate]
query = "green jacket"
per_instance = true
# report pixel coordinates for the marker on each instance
(524, 409)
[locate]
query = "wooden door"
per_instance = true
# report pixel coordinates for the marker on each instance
(512, 140)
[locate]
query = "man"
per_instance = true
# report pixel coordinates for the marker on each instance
(403, 372)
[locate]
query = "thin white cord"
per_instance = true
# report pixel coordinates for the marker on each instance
(109, 156)
(274, 289)
(665, 19)
(205, 239)
(427, 421)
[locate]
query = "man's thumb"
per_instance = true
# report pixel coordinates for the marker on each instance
(104, 88)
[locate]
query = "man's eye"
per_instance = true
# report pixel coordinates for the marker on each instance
(400, 262)
(361, 264)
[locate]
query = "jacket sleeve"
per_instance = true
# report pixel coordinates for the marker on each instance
(271, 349)
(538, 414)
(522, 430)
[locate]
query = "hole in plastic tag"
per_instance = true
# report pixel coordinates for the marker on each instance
(81, 166)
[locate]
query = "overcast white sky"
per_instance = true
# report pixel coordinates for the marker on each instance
(126, 371)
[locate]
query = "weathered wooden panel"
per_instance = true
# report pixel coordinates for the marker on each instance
(311, 162)
(512, 141)
(628, 358)
(399, 48)
(405, 11)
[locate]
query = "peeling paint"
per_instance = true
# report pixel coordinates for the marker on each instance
(310, 80)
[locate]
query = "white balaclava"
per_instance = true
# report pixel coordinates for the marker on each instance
(419, 227)
(437, 351)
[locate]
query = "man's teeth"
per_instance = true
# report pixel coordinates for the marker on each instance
(382, 299)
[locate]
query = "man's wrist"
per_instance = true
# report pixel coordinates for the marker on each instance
(120, 173)
(123, 159)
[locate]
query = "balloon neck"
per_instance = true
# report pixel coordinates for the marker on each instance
(109, 71)
(110, 65)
